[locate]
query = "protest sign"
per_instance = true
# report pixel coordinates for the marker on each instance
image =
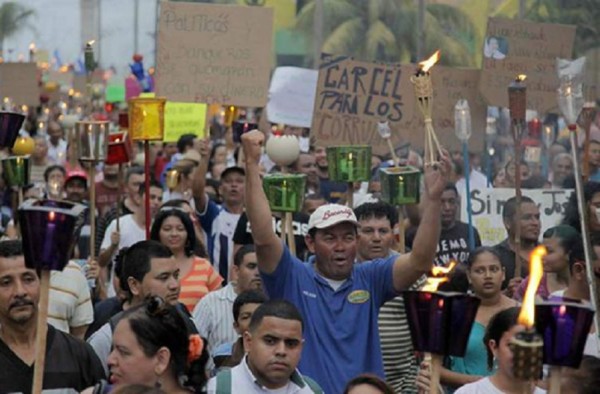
(184, 118)
(487, 205)
(214, 53)
(353, 96)
(80, 81)
(514, 47)
(292, 96)
(62, 78)
(132, 88)
(19, 82)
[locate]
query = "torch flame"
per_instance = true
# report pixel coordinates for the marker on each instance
(91, 42)
(536, 270)
(427, 64)
(440, 275)
(32, 46)
(51, 216)
(521, 77)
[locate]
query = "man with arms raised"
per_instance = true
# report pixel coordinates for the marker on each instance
(339, 300)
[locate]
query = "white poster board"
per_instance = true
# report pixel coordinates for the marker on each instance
(487, 205)
(292, 96)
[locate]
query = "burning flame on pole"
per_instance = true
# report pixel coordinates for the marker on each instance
(536, 270)
(440, 275)
(433, 59)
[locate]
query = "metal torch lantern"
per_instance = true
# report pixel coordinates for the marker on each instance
(119, 148)
(564, 328)
(350, 163)
(92, 140)
(440, 322)
(285, 192)
(50, 229)
(172, 179)
(16, 170)
(147, 118)
(400, 185)
(10, 124)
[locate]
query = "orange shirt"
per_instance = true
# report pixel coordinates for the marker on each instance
(201, 280)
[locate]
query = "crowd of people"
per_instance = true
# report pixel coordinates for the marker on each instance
(214, 301)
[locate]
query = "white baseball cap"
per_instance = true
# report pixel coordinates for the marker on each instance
(331, 214)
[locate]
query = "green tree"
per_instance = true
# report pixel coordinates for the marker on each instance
(13, 18)
(386, 30)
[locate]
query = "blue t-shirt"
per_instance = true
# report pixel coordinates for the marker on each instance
(340, 327)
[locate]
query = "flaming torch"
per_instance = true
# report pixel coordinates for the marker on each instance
(527, 346)
(440, 322)
(424, 93)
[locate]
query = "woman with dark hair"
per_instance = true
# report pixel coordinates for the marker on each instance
(198, 230)
(559, 242)
(501, 328)
(173, 228)
(485, 274)
(368, 383)
(152, 347)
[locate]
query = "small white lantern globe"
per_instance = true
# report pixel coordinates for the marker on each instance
(283, 149)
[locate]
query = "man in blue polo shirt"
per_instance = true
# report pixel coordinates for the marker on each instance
(339, 300)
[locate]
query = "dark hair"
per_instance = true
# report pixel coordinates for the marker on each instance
(377, 210)
(185, 141)
(510, 206)
(577, 253)
(451, 186)
(153, 183)
(534, 182)
(136, 260)
(247, 297)
(567, 236)
(243, 251)
(586, 378)
(275, 308)
(213, 150)
(572, 215)
(500, 323)
(475, 253)
(51, 168)
(157, 324)
(371, 380)
(200, 249)
(163, 214)
(11, 248)
(134, 170)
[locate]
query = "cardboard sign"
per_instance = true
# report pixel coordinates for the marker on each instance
(352, 97)
(80, 81)
(487, 205)
(62, 78)
(292, 96)
(514, 47)
(214, 53)
(184, 118)
(19, 82)
(449, 86)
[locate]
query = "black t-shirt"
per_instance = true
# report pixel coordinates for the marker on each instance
(70, 364)
(454, 244)
(243, 233)
(508, 260)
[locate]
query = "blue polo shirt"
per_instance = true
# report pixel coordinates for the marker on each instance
(340, 327)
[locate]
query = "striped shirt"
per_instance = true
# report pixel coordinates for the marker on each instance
(399, 361)
(201, 280)
(213, 317)
(69, 304)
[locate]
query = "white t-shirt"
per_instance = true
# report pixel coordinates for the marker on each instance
(485, 386)
(130, 234)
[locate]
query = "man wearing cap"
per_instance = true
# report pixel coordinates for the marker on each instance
(339, 300)
(219, 220)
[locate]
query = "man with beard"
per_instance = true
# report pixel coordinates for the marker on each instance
(149, 269)
(108, 191)
(70, 363)
(212, 314)
(530, 225)
(219, 220)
